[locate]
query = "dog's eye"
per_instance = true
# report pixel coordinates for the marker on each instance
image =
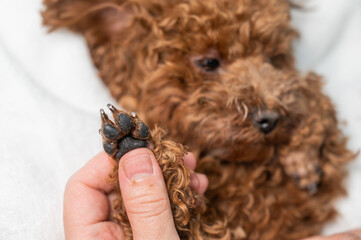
(208, 64)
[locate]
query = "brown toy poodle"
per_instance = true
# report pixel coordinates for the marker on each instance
(219, 77)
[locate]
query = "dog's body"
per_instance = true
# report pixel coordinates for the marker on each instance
(219, 76)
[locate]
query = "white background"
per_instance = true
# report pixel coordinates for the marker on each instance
(50, 96)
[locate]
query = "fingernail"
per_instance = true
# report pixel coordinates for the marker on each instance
(137, 166)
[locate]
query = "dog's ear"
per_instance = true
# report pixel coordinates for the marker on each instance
(102, 19)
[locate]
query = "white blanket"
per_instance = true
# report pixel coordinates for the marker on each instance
(50, 96)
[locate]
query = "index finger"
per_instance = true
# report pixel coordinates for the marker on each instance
(85, 197)
(94, 173)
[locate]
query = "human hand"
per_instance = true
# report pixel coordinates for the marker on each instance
(351, 235)
(87, 198)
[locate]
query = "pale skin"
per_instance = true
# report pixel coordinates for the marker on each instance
(87, 199)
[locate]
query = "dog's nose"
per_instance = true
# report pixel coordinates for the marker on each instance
(266, 120)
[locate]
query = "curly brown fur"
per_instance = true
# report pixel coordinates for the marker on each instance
(279, 184)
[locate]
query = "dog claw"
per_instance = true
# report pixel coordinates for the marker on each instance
(103, 115)
(126, 134)
(312, 188)
(111, 107)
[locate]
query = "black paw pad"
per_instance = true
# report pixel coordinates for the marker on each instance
(126, 133)
(129, 143)
(141, 131)
(110, 131)
(108, 148)
(125, 123)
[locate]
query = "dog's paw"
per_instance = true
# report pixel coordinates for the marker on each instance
(123, 134)
(304, 170)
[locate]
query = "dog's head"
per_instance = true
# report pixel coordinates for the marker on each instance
(219, 75)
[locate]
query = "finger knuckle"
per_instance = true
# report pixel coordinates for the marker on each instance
(147, 206)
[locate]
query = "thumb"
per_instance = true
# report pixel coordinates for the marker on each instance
(145, 196)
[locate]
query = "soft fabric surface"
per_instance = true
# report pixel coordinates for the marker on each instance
(50, 96)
